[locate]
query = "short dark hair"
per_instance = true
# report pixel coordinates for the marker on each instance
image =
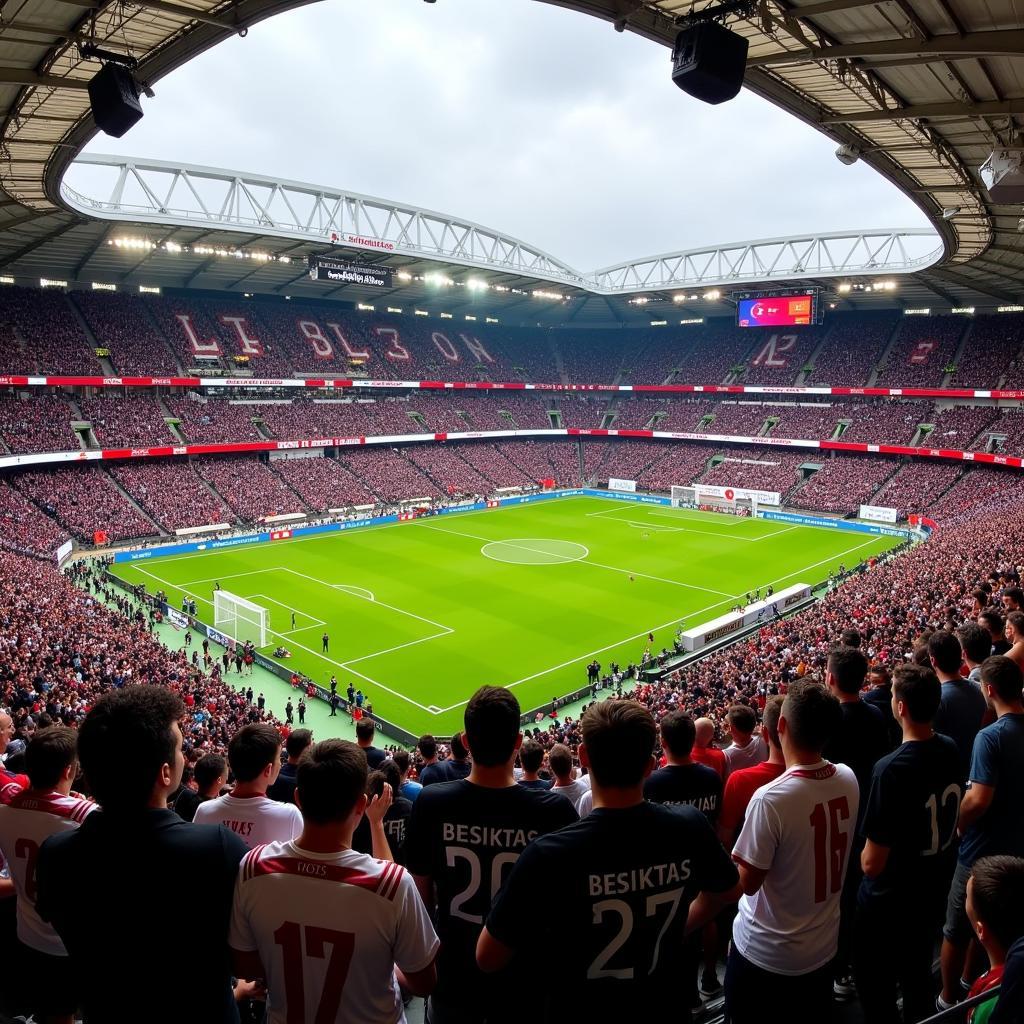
(975, 642)
(849, 668)
(402, 760)
(1004, 676)
(812, 714)
(742, 717)
(492, 725)
(998, 896)
(770, 717)
(209, 768)
(531, 756)
(560, 759)
(876, 668)
(125, 740)
(427, 746)
(981, 595)
(996, 622)
(1016, 595)
(365, 729)
(850, 638)
(49, 754)
(458, 748)
(251, 749)
(944, 650)
(619, 736)
(330, 779)
(1016, 619)
(919, 689)
(298, 740)
(677, 733)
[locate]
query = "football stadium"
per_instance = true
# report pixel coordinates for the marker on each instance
(387, 599)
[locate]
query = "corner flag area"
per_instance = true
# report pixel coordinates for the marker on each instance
(419, 614)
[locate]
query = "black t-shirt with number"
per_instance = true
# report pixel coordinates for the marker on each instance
(466, 838)
(621, 882)
(396, 828)
(695, 785)
(912, 809)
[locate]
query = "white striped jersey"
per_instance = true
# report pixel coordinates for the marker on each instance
(329, 929)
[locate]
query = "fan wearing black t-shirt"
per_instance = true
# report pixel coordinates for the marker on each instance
(632, 879)
(463, 839)
(909, 825)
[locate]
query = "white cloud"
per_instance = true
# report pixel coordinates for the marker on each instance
(528, 118)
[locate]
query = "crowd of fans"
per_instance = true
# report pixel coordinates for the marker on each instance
(122, 323)
(923, 351)
(171, 493)
(37, 423)
(842, 485)
(132, 421)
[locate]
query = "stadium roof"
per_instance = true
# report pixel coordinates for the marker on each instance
(925, 89)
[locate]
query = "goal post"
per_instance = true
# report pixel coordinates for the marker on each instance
(717, 499)
(239, 618)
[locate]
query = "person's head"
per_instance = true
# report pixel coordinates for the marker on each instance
(975, 643)
(944, 653)
(1015, 627)
(770, 720)
(742, 722)
(129, 747)
(387, 773)
(52, 757)
(403, 762)
(704, 733)
(296, 743)
(979, 598)
(995, 902)
(1013, 599)
(618, 743)
(1001, 680)
(330, 786)
(560, 760)
(210, 773)
(916, 692)
(492, 726)
(677, 734)
(991, 620)
(427, 747)
(847, 669)
(878, 676)
(531, 756)
(254, 753)
(364, 732)
(850, 638)
(6, 730)
(459, 749)
(810, 715)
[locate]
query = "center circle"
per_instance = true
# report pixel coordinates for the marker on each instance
(534, 551)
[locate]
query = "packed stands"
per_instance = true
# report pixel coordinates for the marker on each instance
(122, 323)
(52, 336)
(491, 464)
(763, 469)
(131, 421)
(959, 426)
(923, 350)
(323, 483)
(779, 356)
(918, 487)
(993, 346)
(886, 422)
(452, 474)
(594, 359)
(37, 423)
(681, 465)
(249, 487)
(216, 421)
(171, 493)
(389, 474)
(851, 351)
(817, 422)
(24, 528)
(843, 484)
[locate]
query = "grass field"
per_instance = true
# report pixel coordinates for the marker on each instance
(422, 613)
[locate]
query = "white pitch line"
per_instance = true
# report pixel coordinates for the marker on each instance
(768, 536)
(583, 561)
(298, 611)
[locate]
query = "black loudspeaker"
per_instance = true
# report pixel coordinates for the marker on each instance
(709, 62)
(115, 100)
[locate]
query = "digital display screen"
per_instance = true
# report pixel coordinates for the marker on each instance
(777, 310)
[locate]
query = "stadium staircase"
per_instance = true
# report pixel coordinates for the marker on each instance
(135, 504)
(801, 377)
(886, 352)
(91, 339)
(959, 351)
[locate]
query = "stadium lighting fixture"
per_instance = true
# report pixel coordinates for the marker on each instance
(247, 295)
(421, 312)
(640, 300)
(843, 287)
(847, 154)
(659, 323)
(469, 316)
(394, 309)
(149, 289)
(365, 307)
(678, 298)
(999, 309)
(963, 309)
(950, 212)
(45, 282)
(6, 279)
(474, 284)
(446, 316)
(404, 275)
(491, 320)
(437, 279)
(539, 293)
(693, 320)
(831, 305)
(924, 311)
(99, 286)
(885, 286)
(500, 288)
(712, 295)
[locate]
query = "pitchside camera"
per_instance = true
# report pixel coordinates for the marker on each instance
(709, 62)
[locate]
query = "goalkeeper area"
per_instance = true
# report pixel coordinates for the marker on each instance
(419, 614)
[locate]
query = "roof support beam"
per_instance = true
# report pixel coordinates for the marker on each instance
(186, 13)
(949, 47)
(827, 7)
(19, 77)
(921, 111)
(13, 257)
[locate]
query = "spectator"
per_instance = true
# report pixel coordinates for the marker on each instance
(432, 770)
(1015, 637)
(879, 696)
(462, 837)
(992, 621)
(560, 760)
(396, 816)
(10, 782)
(704, 751)
(458, 764)
(531, 757)
(630, 862)
(290, 899)
(254, 755)
(210, 774)
(909, 823)
(990, 819)
(746, 749)
(365, 731)
(962, 706)
(786, 932)
(95, 884)
(683, 780)
(976, 646)
(409, 788)
(283, 787)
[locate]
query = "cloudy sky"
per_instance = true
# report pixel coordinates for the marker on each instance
(530, 119)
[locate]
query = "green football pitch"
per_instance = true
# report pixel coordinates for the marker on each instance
(421, 613)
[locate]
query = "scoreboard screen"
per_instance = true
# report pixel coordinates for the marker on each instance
(777, 309)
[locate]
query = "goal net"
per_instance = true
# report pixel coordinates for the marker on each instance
(718, 499)
(239, 618)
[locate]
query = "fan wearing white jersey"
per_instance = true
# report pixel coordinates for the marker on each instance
(331, 931)
(30, 818)
(254, 755)
(792, 854)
